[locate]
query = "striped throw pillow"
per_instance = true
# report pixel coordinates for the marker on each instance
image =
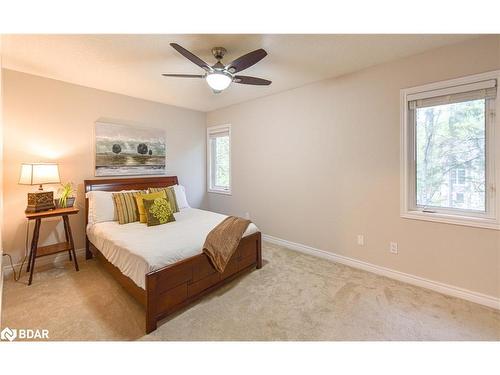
(126, 207)
(170, 192)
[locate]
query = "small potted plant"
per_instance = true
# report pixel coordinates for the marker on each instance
(66, 198)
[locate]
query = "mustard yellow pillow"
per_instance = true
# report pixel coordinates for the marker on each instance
(143, 217)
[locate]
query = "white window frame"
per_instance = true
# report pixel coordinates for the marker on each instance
(409, 210)
(210, 187)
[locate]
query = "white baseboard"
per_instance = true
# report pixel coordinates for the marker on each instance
(44, 261)
(450, 290)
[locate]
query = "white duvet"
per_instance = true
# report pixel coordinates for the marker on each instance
(137, 249)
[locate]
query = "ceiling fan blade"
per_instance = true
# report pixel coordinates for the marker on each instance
(246, 61)
(190, 56)
(246, 80)
(184, 75)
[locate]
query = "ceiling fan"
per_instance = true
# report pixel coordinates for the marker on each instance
(220, 76)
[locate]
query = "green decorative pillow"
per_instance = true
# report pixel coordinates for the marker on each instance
(170, 192)
(158, 211)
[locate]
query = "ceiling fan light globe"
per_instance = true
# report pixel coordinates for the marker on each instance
(219, 81)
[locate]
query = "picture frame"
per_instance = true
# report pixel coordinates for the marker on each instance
(126, 150)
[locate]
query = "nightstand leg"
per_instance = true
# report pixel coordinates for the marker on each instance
(34, 246)
(67, 228)
(67, 239)
(28, 266)
(29, 258)
(29, 262)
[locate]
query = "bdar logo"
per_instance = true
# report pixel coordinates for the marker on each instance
(8, 334)
(24, 334)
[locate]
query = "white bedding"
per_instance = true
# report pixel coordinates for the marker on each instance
(137, 249)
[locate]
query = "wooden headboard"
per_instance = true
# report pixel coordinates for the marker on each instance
(117, 184)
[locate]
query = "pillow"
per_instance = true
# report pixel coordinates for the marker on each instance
(170, 195)
(180, 195)
(143, 218)
(101, 206)
(126, 207)
(158, 211)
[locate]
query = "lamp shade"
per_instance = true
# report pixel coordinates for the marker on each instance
(39, 173)
(219, 81)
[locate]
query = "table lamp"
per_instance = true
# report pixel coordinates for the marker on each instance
(39, 174)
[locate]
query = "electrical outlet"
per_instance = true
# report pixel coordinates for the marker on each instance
(361, 240)
(247, 215)
(393, 248)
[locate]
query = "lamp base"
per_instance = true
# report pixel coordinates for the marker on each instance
(40, 201)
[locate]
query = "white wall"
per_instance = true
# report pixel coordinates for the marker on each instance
(320, 164)
(49, 120)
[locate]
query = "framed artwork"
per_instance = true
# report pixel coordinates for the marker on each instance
(123, 150)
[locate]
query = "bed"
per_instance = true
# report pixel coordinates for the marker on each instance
(164, 267)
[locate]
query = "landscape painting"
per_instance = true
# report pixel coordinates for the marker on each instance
(123, 150)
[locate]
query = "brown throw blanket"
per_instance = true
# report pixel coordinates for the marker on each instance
(223, 240)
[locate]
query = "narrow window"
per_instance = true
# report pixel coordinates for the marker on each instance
(219, 159)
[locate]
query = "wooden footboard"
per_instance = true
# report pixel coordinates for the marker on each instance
(175, 286)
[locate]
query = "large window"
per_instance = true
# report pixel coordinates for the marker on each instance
(448, 142)
(219, 159)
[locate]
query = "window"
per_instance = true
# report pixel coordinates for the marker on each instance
(448, 165)
(219, 159)
(457, 176)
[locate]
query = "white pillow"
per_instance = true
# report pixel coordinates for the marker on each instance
(101, 206)
(180, 196)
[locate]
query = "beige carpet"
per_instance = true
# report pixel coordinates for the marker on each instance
(293, 297)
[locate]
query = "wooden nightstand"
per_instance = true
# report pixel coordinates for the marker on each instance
(69, 246)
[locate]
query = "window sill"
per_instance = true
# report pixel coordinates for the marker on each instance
(223, 192)
(478, 222)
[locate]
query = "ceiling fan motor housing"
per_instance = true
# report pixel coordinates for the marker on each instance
(219, 52)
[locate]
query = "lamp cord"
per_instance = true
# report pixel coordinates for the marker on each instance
(16, 275)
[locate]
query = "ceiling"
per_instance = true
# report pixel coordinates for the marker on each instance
(132, 64)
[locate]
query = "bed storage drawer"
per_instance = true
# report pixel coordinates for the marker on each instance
(247, 261)
(201, 285)
(179, 274)
(172, 297)
(231, 267)
(202, 268)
